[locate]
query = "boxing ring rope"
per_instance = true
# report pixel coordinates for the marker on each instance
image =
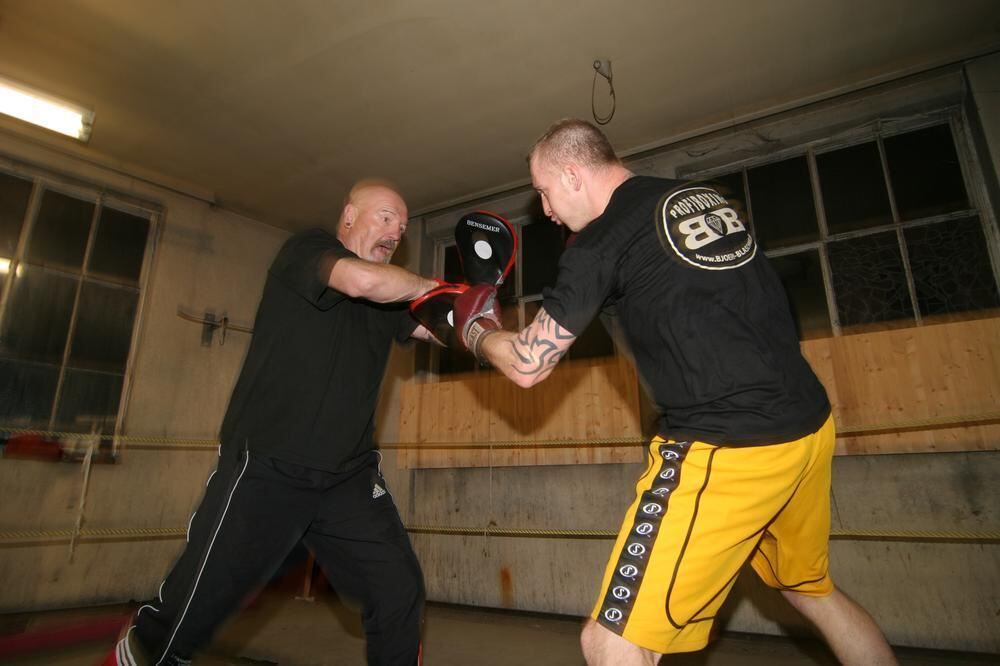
(28, 538)
(25, 538)
(141, 442)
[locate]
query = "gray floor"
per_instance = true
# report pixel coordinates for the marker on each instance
(279, 629)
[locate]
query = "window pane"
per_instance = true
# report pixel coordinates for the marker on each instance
(925, 174)
(26, 393)
(14, 195)
(59, 237)
(37, 320)
(89, 402)
(853, 185)
(531, 309)
(802, 277)
(455, 360)
(119, 246)
(868, 280)
(103, 327)
(452, 265)
(951, 267)
(782, 203)
(594, 342)
(731, 187)
(542, 244)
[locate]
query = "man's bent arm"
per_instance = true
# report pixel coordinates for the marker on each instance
(380, 283)
(528, 357)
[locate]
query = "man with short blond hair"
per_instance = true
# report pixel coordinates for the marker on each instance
(740, 467)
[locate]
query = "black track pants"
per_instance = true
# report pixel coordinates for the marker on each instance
(255, 510)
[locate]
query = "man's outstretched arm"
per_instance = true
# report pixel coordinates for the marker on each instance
(380, 283)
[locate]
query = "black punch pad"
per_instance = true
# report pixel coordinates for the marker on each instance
(487, 246)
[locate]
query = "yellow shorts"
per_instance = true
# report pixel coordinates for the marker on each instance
(700, 512)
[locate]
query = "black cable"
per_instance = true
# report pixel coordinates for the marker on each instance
(593, 108)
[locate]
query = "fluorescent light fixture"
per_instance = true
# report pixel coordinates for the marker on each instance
(44, 110)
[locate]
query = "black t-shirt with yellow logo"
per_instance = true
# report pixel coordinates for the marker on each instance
(310, 382)
(704, 314)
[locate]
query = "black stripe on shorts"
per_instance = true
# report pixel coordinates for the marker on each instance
(634, 556)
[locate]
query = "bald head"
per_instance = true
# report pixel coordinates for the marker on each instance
(574, 141)
(367, 187)
(373, 220)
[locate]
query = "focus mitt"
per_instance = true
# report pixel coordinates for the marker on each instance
(487, 247)
(434, 311)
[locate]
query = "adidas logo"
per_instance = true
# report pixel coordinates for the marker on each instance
(377, 491)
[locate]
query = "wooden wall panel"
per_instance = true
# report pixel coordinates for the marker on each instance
(581, 401)
(931, 388)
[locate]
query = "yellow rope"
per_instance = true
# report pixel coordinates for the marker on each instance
(132, 440)
(107, 534)
(140, 442)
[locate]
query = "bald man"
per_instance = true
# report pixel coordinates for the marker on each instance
(298, 462)
(740, 469)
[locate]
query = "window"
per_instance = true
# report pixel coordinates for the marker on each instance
(71, 265)
(540, 244)
(878, 233)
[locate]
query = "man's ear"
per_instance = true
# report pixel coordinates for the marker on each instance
(350, 215)
(571, 177)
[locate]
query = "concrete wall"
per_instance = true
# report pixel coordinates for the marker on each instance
(942, 595)
(984, 83)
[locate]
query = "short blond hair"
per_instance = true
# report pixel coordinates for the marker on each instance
(574, 140)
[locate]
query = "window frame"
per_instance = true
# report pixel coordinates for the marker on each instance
(101, 197)
(953, 116)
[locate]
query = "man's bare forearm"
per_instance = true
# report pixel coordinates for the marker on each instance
(528, 357)
(380, 283)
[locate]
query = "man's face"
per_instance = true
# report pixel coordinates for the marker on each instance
(374, 224)
(561, 202)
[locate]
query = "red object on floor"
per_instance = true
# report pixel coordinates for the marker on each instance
(60, 636)
(32, 447)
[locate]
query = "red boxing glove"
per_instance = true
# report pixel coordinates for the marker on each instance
(477, 313)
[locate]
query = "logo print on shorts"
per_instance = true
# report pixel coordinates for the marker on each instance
(629, 570)
(636, 549)
(613, 615)
(621, 593)
(644, 529)
(700, 227)
(652, 509)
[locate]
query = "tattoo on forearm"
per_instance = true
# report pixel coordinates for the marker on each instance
(535, 347)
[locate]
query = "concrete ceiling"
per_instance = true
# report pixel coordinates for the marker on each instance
(273, 107)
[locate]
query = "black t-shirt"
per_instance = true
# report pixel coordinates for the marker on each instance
(703, 313)
(310, 382)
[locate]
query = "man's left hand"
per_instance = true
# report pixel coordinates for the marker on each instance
(477, 313)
